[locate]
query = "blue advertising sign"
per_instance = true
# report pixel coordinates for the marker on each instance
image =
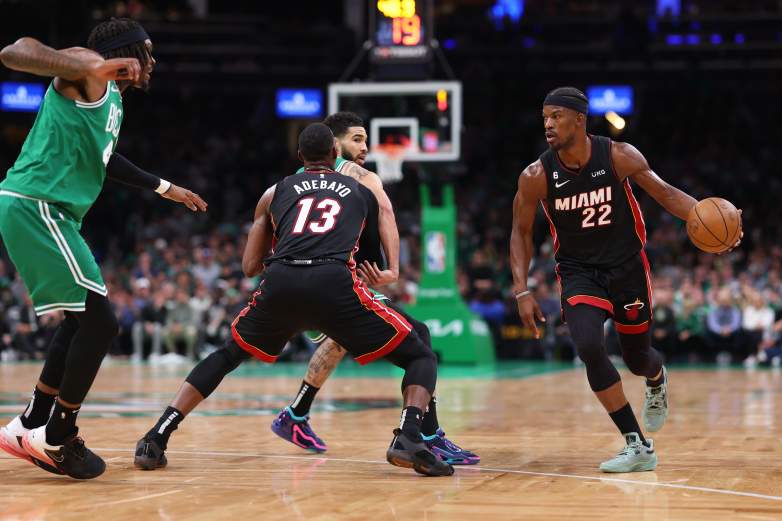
(21, 97)
(299, 103)
(610, 98)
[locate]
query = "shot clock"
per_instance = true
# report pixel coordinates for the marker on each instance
(401, 31)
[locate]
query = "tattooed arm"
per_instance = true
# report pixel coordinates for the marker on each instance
(79, 73)
(389, 234)
(323, 362)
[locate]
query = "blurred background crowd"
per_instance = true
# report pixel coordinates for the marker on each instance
(705, 118)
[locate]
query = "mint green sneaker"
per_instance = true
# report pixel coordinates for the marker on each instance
(635, 457)
(656, 405)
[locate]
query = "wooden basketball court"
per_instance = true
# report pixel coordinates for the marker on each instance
(540, 436)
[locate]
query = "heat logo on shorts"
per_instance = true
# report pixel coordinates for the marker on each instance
(633, 309)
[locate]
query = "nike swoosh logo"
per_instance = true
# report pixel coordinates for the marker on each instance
(563, 183)
(54, 457)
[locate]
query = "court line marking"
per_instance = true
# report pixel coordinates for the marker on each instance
(474, 468)
(131, 500)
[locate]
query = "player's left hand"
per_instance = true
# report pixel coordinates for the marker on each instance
(374, 276)
(182, 195)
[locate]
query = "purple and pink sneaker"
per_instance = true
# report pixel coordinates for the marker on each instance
(449, 451)
(297, 430)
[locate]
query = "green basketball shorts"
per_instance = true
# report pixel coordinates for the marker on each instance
(44, 244)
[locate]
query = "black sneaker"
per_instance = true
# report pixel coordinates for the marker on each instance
(149, 455)
(72, 457)
(413, 454)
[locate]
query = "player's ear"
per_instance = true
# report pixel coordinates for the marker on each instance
(334, 152)
(301, 157)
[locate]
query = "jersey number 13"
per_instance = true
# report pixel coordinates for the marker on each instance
(325, 223)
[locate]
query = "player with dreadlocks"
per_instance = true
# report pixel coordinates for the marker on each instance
(43, 199)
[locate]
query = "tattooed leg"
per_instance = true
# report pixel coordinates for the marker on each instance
(323, 362)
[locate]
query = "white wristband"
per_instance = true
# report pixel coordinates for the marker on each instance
(163, 186)
(523, 294)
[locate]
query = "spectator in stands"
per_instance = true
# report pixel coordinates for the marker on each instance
(757, 318)
(723, 325)
(206, 269)
(664, 334)
(149, 327)
(691, 326)
(181, 324)
(124, 309)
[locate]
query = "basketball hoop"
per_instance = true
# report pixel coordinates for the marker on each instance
(389, 161)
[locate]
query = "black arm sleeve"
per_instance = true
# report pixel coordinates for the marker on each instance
(369, 246)
(122, 170)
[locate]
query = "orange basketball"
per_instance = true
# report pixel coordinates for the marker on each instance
(714, 225)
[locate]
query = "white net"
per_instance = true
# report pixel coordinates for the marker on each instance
(389, 162)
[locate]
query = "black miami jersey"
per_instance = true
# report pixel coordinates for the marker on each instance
(319, 214)
(310, 282)
(594, 218)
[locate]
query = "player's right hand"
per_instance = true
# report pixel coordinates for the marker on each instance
(182, 195)
(117, 69)
(529, 310)
(374, 276)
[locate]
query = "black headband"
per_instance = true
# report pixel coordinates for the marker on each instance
(571, 102)
(121, 40)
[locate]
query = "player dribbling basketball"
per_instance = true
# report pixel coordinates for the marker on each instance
(583, 183)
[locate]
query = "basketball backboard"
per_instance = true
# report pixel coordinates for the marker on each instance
(425, 115)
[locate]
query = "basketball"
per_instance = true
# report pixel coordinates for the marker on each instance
(714, 225)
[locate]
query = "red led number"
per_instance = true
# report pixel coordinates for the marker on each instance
(407, 31)
(325, 223)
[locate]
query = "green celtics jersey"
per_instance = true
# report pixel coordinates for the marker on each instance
(338, 166)
(63, 159)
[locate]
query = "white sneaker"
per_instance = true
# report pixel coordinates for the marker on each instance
(635, 457)
(11, 439)
(655, 409)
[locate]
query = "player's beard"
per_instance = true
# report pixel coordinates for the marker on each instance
(560, 144)
(347, 155)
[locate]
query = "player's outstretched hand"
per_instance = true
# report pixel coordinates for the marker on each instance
(182, 195)
(117, 69)
(529, 310)
(374, 276)
(738, 242)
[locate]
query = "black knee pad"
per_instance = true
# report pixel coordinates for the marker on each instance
(418, 361)
(638, 354)
(586, 330)
(97, 328)
(590, 352)
(98, 318)
(54, 367)
(601, 373)
(422, 330)
(210, 371)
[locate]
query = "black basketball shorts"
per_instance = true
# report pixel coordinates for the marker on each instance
(625, 291)
(327, 297)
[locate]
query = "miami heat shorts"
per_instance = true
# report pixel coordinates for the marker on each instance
(326, 297)
(624, 291)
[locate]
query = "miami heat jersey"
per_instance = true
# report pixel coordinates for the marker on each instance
(319, 214)
(594, 218)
